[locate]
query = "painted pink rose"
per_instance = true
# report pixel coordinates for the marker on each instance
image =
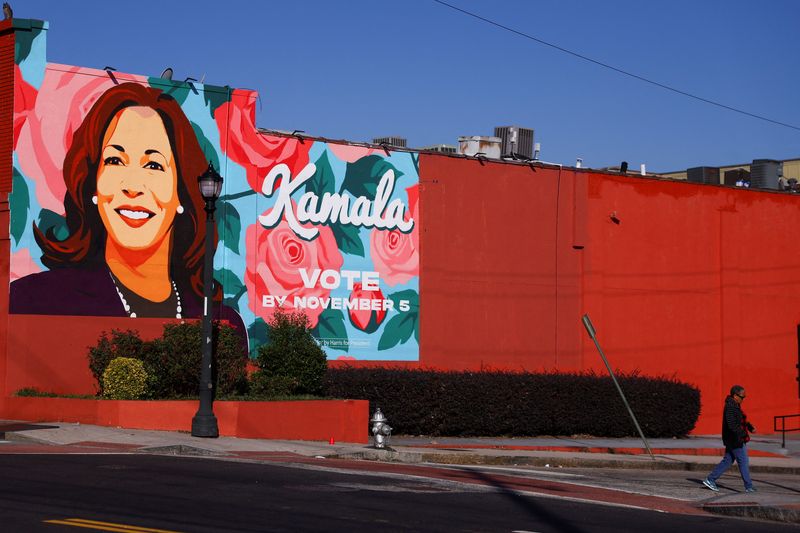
(255, 151)
(367, 320)
(274, 259)
(22, 264)
(351, 154)
(396, 254)
(65, 97)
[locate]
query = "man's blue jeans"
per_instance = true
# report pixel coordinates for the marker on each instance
(740, 456)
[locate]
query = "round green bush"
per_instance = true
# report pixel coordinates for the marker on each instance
(292, 358)
(124, 379)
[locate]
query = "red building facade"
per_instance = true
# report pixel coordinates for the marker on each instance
(693, 281)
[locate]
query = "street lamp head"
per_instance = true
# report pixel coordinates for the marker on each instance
(210, 183)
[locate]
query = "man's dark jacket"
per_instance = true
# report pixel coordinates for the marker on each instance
(733, 432)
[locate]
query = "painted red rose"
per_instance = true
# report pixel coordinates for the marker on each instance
(367, 320)
(256, 152)
(396, 254)
(274, 259)
(24, 101)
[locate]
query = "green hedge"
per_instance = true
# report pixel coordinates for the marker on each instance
(173, 361)
(291, 362)
(423, 402)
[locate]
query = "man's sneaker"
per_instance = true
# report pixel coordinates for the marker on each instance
(711, 485)
(751, 489)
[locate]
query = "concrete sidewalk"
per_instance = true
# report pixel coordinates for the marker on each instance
(778, 497)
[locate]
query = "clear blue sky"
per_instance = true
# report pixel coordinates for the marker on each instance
(359, 69)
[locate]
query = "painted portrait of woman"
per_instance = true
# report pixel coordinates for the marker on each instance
(134, 216)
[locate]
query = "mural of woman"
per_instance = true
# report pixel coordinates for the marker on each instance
(134, 216)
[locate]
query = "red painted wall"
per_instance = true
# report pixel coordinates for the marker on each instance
(6, 174)
(491, 261)
(51, 353)
(697, 282)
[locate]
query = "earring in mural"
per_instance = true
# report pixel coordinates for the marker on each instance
(94, 199)
(180, 210)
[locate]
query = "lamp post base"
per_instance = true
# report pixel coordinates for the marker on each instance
(205, 426)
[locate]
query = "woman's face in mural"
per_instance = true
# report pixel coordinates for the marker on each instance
(137, 183)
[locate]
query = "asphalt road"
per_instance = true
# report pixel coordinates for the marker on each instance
(127, 493)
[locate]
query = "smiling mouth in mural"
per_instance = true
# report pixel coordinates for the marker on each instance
(134, 216)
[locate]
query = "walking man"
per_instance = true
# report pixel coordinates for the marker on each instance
(735, 435)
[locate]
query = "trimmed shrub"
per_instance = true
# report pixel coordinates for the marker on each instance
(124, 379)
(292, 356)
(110, 346)
(424, 402)
(173, 361)
(263, 386)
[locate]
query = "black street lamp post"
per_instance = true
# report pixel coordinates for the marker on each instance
(204, 423)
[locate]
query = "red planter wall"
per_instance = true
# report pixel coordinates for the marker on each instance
(342, 420)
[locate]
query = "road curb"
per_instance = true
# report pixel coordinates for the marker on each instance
(554, 461)
(761, 512)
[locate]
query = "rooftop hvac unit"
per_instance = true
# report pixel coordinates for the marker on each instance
(703, 175)
(764, 173)
(515, 140)
(736, 175)
(392, 141)
(477, 144)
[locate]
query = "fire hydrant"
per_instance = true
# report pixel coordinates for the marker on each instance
(380, 429)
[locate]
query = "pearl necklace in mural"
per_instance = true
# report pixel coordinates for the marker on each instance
(132, 314)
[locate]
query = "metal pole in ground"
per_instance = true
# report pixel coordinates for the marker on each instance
(593, 334)
(204, 423)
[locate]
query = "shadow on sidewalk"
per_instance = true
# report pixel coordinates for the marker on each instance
(20, 426)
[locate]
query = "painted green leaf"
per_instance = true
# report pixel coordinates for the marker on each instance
(258, 334)
(323, 179)
(216, 96)
(23, 43)
(51, 222)
(177, 89)
(19, 202)
(348, 239)
(361, 177)
(230, 282)
(331, 326)
(229, 226)
(206, 146)
(408, 294)
(398, 330)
